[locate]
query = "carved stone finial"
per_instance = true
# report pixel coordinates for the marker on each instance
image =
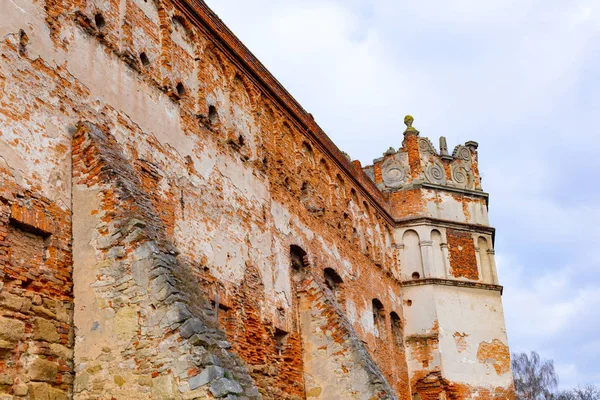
(347, 156)
(389, 152)
(443, 146)
(410, 130)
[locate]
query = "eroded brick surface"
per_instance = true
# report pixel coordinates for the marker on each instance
(462, 254)
(173, 225)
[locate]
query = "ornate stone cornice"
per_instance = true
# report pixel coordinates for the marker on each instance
(445, 223)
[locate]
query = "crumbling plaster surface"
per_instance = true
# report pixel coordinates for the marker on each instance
(481, 321)
(223, 190)
(467, 329)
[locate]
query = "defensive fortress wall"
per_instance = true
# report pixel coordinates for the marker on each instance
(173, 225)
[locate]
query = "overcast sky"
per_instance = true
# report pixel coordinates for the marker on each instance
(519, 77)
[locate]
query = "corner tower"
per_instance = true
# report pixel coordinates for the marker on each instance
(454, 328)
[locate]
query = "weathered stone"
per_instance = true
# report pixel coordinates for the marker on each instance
(200, 393)
(119, 380)
(116, 252)
(164, 388)
(6, 379)
(81, 382)
(11, 301)
(223, 344)
(42, 370)
(223, 386)
(21, 389)
(176, 313)
(11, 330)
(56, 394)
(145, 250)
(45, 330)
(191, 327)
(144, 381)
(126, 321)
(6, 345)
(39, 391)
(134, 236)
(61, 351)
(44, 312)
(201, 340)
(207, 375)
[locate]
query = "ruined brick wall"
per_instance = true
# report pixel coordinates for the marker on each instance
(36, 330)
(187, 180)
(181, 162)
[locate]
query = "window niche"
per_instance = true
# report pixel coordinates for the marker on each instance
(298, 258)
(396, 329)
(379, 318)
(334, 282)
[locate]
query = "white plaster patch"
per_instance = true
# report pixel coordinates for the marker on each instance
(366, 321)
(281, 217)
(242, 178)
(351, 313)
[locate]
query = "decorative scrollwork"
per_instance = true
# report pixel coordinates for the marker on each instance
(425, 145)
(435, 173)
(461, 176)
(462, 153)
(394, 174)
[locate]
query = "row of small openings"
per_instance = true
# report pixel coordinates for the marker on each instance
(333, 281)
(100, 23)
(379, 321)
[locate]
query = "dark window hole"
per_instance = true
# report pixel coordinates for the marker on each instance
(180, 89)
(213, 116)
(144, 59)
(281, 338)
(100, 22)
(416, 275)
(298, 257)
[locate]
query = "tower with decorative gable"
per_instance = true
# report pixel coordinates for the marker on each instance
(455, 334)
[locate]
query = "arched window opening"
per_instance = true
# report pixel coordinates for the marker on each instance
(379, 318)
(99, 21)
(334, 282)
(412, 261)
(144, 59)
(180, 89)
(213, 116)
(307, 149)
(439, 266)
(484, 260)
(396, 328)
(341, 186)
(298, 258)
(281, 338)
(354, 196)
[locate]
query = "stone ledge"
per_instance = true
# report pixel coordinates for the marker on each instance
(434, 336)
(453, 282)
(445, 223)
